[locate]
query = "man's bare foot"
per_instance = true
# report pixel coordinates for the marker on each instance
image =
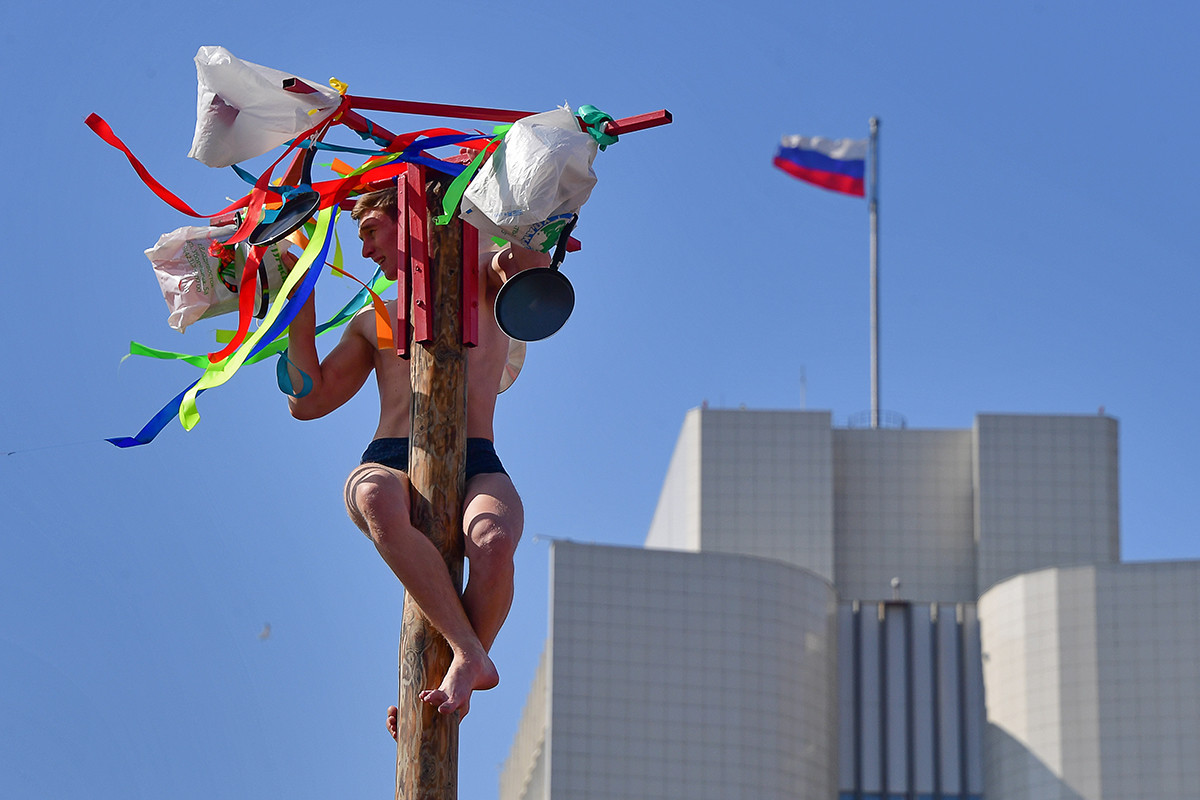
(464, 676)
(439, 696)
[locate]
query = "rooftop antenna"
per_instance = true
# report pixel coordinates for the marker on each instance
(803, 389)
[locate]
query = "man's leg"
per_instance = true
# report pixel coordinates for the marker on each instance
(377, 500)
(492, 520)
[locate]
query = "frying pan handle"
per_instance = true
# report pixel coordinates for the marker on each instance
(560, 249)
(306, 176)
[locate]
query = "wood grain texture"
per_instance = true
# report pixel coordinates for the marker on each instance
(427, 745)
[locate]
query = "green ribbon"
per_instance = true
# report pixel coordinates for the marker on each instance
(458, 186)
(594, 119)
(360, 301)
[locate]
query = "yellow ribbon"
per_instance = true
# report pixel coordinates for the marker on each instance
(222, 371)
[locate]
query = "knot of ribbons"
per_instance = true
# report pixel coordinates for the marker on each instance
(262, 204)
(269, 338)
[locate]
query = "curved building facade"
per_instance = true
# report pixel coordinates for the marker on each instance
(1093, 683)
(658, 687)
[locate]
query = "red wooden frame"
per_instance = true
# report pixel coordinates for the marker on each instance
(418, 255)
(403, 269)
(412, 270)
(469, 313)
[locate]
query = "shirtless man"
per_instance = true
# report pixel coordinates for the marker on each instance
(377, 492)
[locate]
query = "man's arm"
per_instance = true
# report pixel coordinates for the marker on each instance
(334, 380)
(507, 262)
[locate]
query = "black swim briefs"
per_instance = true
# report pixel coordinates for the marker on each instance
(393, 452)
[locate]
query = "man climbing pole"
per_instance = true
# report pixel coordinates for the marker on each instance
(430, 490)
(377, 492)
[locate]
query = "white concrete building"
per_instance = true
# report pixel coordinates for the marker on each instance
(1093, 677)
(869, 614)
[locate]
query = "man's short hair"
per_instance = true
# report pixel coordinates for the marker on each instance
(382, 200)
(385, 200)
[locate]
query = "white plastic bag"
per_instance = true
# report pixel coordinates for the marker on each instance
(536, 180)
(243, 111)
(196, 284)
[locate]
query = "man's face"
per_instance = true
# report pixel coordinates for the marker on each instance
(378, 234)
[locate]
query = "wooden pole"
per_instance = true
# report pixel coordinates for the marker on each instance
(427, 744)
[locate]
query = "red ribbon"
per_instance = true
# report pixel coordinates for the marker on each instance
(101, 129)
(246, 293)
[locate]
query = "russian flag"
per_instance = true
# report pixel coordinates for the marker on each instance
(836, 164)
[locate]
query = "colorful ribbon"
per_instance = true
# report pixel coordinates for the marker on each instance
(299, 283)
(102, 129)
(458, 187)
(243, 347)
(284, 379)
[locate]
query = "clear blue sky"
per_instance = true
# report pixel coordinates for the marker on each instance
(1038, 201)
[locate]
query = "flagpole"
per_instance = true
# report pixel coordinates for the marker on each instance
(873, 211)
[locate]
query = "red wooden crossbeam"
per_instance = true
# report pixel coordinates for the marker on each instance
(351, 119)
(360, 124)
(638, 123)
(297, 86)
(613, 128)
(434, 109)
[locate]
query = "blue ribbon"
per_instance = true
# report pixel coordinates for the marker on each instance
(171, 409)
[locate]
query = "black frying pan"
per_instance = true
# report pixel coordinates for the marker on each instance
(299, 204)
(534, 304)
